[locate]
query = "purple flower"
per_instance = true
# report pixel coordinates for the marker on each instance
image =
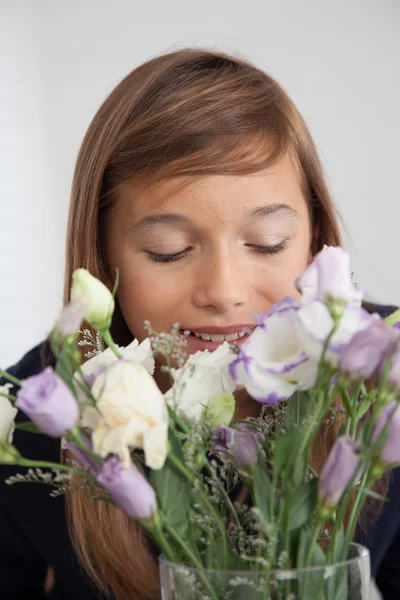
(87, 462)
(69, 321)
(338, 470)
(390, 453)
(128, 488)
(239, 447)
(394, 373)
(367, 349)
(49, 403)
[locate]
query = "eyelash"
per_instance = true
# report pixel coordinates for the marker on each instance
(168, 258)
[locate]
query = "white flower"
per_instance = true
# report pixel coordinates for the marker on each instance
(272, 364)
(134, 352)
(96, 296)
(7, 416)
(200, 382)
(328, 278)
(314, 324)
(131, 413)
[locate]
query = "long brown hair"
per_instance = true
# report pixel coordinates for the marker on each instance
(189, 112)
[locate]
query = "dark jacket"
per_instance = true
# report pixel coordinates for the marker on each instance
(34, 536)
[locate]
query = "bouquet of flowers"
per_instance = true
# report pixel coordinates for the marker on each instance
(236, 507)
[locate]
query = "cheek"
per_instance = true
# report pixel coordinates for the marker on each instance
(279, 280)
(144, 294)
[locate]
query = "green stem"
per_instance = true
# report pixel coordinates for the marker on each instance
(224, 494)
(195, 560)
(356, 509)
(110, 342)
(157, 531)
(25, 462)
(75, 435)
(10, 378)
(9, 397)
(182, 469)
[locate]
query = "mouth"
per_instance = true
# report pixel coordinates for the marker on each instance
(210, 338)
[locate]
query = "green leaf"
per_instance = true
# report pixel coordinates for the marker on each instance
(65, 371)
(28, 426)
(298, 408)
(303, 504)
(262, 488)
(310, 581)
(363, 408)
(173, 492)
(285, 449)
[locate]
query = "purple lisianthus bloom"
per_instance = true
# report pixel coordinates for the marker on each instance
(47, 400)
(69, 321)
(272, 364)
(338, 470)
(128, 488)
(239, 447)
(287, 303)
(367, 349)
(390, 453)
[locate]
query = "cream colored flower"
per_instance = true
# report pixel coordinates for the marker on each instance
(131, 413)
(134, 352)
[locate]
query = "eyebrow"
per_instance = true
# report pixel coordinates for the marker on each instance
(273, 209)
(172, 219)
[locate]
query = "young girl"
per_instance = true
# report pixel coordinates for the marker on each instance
(198, 179)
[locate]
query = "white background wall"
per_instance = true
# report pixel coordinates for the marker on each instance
(340, 62)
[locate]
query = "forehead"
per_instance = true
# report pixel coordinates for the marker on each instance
(211, 195)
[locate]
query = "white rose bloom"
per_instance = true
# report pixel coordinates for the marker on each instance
(7, 415)
(131, 413)
(135, 352)
(204, 377)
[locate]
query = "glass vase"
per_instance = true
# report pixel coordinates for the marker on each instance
(347, 580)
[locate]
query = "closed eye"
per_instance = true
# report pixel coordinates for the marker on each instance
(166, 258)
(268, 249)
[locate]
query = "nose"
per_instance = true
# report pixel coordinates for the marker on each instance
(220, 285)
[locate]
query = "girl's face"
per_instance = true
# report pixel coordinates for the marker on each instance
(210, 255)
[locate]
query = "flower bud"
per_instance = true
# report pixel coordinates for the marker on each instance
(128, 488)
(239, 447)
(68, 323)
(362, 356)
(96, 296)
(337, 472)
(49, 403)
(390, 415)
(221, 409)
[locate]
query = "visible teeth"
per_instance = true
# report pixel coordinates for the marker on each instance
(231, 337)
(219, 337)
(205, 336)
